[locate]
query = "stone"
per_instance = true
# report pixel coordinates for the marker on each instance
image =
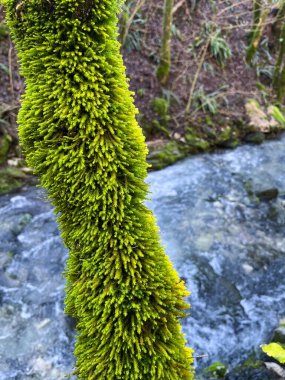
(276, 368)
(216, 371)
(165, 155)
(41, 365)
(268, 194)
(20, 224)
(247, 268)
(254, 138)
(5, 259)
(42, 324)
(195, 143)
(279, 335)
(230, 144)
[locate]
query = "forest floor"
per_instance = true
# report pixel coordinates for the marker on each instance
(212, 99)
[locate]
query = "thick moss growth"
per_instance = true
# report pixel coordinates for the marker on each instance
(78, 129)
(10, 179)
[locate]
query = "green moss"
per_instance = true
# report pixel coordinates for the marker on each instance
(163, 69)
(157, 126)
(195, 143)
(162, 72)
(255, 137)
(225, 134)
(252, 362)
(279, 334)
(166, 155)
(11, 179)
(252, 368)
(3, 30)
(216, 371)
(160, 106)
(79, 133)
(230, 144)
(141, 91)
(5, 142)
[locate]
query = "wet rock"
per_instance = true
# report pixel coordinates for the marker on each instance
(230, 143)
(5, 259)
(43, 369)
(18, 272)
(247, 268)
(276, 368)
(279, 334)
(216, 371)
(251, 369)
(268, 194)
(42, 324)
(12, 179)
(195, 143)
(42, 366)
(7, 281)
(23, 220)
(255, 138)
(165, 155)
(251, 373)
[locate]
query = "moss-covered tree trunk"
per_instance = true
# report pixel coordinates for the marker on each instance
(260, 14)
(163, 69)
(279, 71)
(78, 129)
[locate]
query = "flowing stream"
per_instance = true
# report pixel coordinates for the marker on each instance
(227, 242)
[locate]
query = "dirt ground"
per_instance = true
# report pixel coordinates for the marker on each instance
(227, 87)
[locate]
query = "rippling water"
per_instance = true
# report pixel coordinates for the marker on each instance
(228, 245)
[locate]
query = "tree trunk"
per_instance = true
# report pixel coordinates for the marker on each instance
(165, 51)
(79, 133)
(260, 15)
(279, 71)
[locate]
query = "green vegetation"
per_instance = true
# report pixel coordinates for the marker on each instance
(12, 179)
(219, 48)
(216, 370)
(130, 38)
(5, 142)
(78, 130)
(205, 102)
(207, 69)
(279, 72)
(3, 30)
(165, 155)
(275, 350)
(260, 14)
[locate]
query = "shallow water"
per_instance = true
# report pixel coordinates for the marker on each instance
(228, 246)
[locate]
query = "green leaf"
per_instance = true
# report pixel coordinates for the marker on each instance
(277, 114)
(4, 68)
(274, 350)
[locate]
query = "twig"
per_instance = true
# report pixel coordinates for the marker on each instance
(130, 20)
(11, 71)
(204, 52)
(232, 6)
(200, 356)
(177, 6)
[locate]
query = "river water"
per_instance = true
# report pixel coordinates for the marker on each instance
(225, 242)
